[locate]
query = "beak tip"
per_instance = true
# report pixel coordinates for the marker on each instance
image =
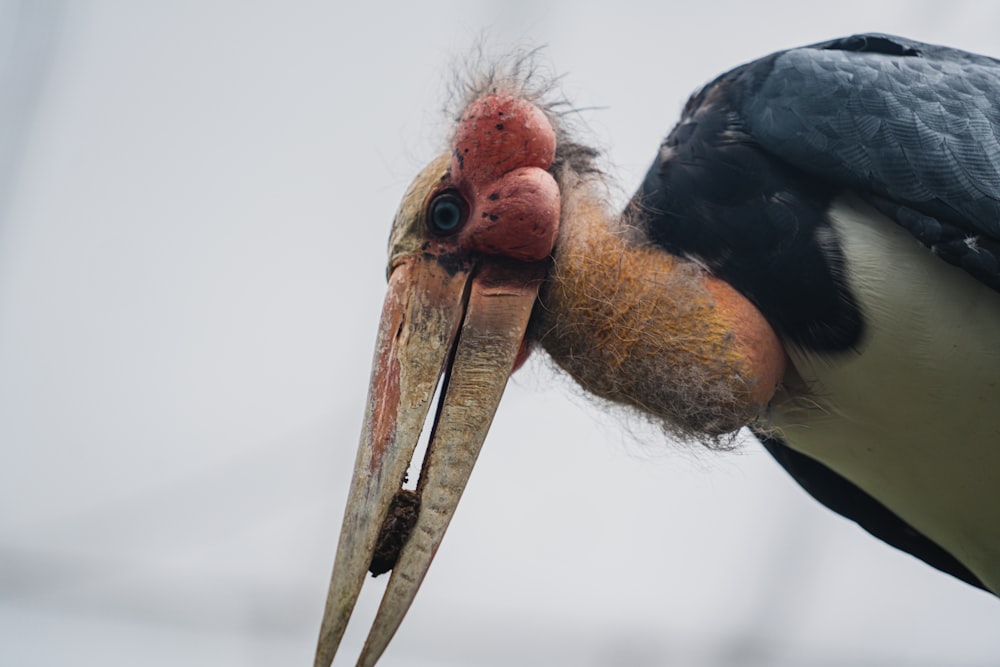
(473, 334)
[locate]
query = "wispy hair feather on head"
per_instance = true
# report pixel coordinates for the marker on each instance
(522, 72)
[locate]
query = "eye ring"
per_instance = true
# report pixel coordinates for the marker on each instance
(447, 213)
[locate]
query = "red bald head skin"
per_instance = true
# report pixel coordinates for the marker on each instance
(500, 133)
(503, 147)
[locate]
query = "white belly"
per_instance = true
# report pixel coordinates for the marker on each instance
(913, 415)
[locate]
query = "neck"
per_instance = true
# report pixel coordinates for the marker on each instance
(640, 327)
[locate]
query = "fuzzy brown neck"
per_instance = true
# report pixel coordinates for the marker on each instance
(638, 326)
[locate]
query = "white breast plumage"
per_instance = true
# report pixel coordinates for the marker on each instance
(914, 411)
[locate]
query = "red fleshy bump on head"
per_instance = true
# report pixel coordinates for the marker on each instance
(503, 146)
(499, 133)
(518, 217)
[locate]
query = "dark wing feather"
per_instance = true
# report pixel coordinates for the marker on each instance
(743, 182)
(913, 127)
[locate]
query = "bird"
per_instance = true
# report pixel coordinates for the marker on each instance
(814, 255)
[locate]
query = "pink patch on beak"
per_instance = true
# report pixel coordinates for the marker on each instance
(523, 353)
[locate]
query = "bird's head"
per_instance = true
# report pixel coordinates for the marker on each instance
(472, 244)
(469, 248)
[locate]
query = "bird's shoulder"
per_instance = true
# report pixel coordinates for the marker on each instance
(744, 181)
(912, 127)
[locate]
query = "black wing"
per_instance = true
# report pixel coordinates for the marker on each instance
(914, 127)
(743, 181)
(742, 185)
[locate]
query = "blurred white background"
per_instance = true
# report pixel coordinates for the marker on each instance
(194, 201)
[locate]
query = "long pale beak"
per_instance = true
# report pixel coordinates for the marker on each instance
(462, 321)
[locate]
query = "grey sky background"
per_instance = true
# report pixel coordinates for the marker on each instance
(194, 202)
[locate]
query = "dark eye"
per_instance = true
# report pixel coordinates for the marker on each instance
(446, 213)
